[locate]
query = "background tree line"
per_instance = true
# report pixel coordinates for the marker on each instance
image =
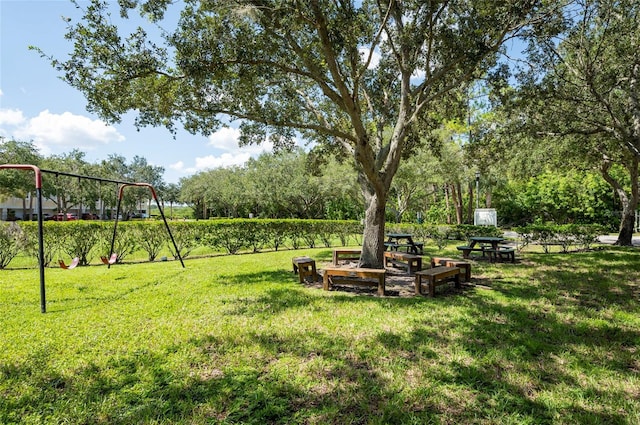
(70, 194)
(435, 187)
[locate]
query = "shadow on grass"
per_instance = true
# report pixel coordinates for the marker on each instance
(529, 354)
(331, 385)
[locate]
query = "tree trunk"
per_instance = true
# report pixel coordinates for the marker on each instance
(457, 201)
(627, 223)
(446, 200)
(629, 201)
(373, 241)
(470, 206)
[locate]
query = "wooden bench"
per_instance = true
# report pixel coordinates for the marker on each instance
(412, 262)
(436, 276)
(452, 262)
(466, 250)
(440, 261)
(303, 267)
(506, 251)
(345, 254)
(356, 276)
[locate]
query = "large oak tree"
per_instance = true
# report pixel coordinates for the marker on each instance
(354, 76)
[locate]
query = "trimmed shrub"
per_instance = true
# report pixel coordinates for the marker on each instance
(53, 238)
(548, 235)
(79, 239)
(186, 237)
(12, 241)
(151, 236)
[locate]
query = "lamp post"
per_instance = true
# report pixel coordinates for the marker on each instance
(477, 189)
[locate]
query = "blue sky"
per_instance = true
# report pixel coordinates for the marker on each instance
(36, 105)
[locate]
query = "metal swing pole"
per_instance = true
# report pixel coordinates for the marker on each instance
(175, 246)
(155, 197)
(38, 180)
(115, 225)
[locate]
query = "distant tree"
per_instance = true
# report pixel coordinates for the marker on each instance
(17, 183)
(194, 192)
(284, 66)
(66, 192)
(285, 186)
(140, 171)
(170, 193)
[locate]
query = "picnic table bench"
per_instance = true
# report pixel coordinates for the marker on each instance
(412, 262)
(304, 267)
(467, 250)
(356, 276)
(414, 247)
(465, 266)
(345, 254)
(503, 252)
(436, 276)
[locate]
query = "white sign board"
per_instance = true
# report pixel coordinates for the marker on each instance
(485, 217)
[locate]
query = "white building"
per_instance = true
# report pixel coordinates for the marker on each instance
(13, 208)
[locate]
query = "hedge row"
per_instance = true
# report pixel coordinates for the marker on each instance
(581, 236)
(89, 240)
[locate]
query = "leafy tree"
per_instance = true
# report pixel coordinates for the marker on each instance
(141, 171)
(170, 193)
(285, 66)
(584, 95)
(66, 192)
(194, 192)
(285, 186)
(558, 197)
(17, 183)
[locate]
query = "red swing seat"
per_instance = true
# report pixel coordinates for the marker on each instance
(110, 260)
(72, 265)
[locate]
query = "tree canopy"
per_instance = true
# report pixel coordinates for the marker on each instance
(361, 78)
(582, 93)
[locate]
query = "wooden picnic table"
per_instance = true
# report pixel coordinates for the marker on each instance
(484, 242)
(488, 240)
(402, 240)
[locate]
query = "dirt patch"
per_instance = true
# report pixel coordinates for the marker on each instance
(398, 283)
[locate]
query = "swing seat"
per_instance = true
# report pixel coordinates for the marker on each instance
(73, 264)
(110, 260)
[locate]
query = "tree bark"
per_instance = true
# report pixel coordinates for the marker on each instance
(446, 198)
(373, 240)
(629, 201)
(456, 190)
(470, 206)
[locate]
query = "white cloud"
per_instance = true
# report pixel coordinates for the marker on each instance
(178, 166)
(225, 160)
(375, 57)
(226, 138)
(11, 117)
(51, 132)
(418, 76)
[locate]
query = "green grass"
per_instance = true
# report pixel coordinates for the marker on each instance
(235, 339)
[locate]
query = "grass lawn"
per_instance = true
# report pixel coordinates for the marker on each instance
(553, 339)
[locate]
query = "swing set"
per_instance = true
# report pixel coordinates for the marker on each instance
(74, 263)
